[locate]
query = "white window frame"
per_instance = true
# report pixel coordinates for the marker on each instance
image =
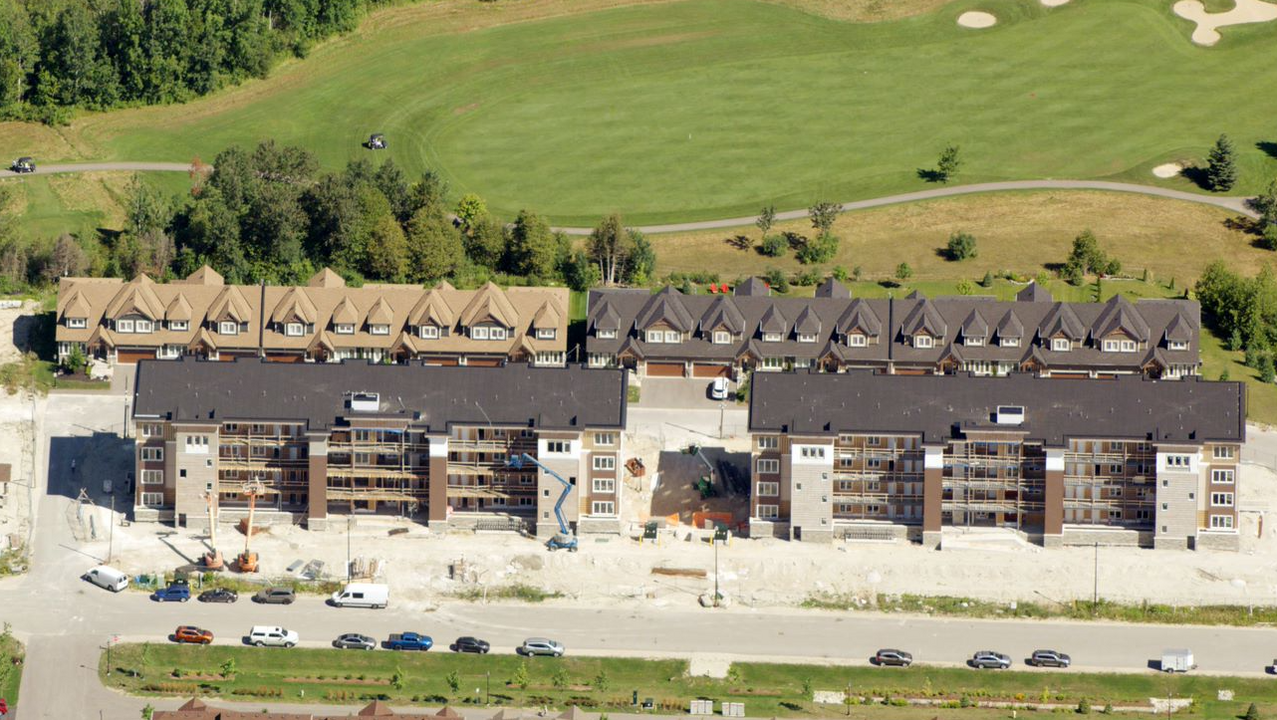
(1222, 499)
(972, 341)
(344, 328)
(857, 340)
(1110, 346)
(124, 326)
(769, 488)
(550, 357)
(496, 333)
(767, 466)
(654, 336)
(923, 341)
(722, 337)
(197, 444)
(1176, 345)
(1223, 476)
(603, 507)
(151, 499)
(77, 323)
(293, 329)
(428, 332)
(558, 447)
(1179, 461)
(673, 336)
(604, 438)
(227, 327)
(379, 329)
(806, 338)
(152, 454)
(1009, 342)
(605, 486)
(812, 452)
(478, 333)
(605, 334)
(1128, 346)
(768, 512)
(1060, 344)
(152, 477)
(1222, 452)
(772, 363)
(143, 326)
(604, 462)
(1221, 522)
(768, 442)
(179, 325)
(771, 337)
(547, 333)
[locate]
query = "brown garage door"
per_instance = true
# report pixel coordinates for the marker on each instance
(655, 369)
(132, 356)
(483, 362)
(704, 370)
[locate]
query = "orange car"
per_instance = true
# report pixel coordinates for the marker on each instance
(192, 634)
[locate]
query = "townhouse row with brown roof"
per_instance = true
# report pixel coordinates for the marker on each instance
(323, 321)
(672, 334)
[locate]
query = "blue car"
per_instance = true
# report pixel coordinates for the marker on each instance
(172, 593)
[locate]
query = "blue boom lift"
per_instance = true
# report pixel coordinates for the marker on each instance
(564, 540)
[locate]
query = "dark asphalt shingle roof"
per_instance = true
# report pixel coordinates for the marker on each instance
(1187, 411)
(567, 398)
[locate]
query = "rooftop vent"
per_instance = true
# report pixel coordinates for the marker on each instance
(1009, 415)
(365, 402)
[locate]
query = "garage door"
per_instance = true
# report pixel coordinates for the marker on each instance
(703, 370)
(132, 356)
(665, 369)
(483, 362)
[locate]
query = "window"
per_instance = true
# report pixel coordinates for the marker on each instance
(152, 499)
(602, 507)
(77, 322)
(550, 358)
(379, 329)
(546, 333)
(598, 360)
(152, 477)
(1009, 342)
(923, 341)
(1222, 477)
(178, 325)
(768, 442)
(721, 337)
(873, 441)
(478, 333)
(124, 326)
(1221, 499)
(228, 328)
(1060, 344)
(152, 430)
(672, 336)
(1222, 452)
(1143, 514)
(344, 328)
(496, 333)
(604, 438)
(768, 466)
(197, 444)
(557, 446)
(294, 329)
(771, 337)
(1178, 461)
(655, 336)
(144, 326)
(857, 340)
(606, 334)
(605, 462)
(773, 363)
(604, 485)
(1177, 345)
(1115, 469)
(527, 502)
(1115, 515)
(806, 338)
(769, 489)
(428, 332)
(1128, 346)
(1221, 522)
(874, 463)
(768, 512)
(812, 453)
(972, 341)
(1110, 346)
(152, 453)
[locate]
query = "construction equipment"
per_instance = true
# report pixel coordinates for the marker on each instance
(247, 560)
(564, 540)
(212, 558)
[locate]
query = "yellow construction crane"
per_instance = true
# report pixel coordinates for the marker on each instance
(212, 558)
(247, 560)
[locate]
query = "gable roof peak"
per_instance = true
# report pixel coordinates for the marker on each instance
(205, 275)
(326, 278)
(859, 315)
(666, 306)
(753, 286)
(773, 320)
(831, 288)
(723, 312)
(1034, 293)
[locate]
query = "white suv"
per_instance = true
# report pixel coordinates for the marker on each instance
(541, 646)
(264, 635)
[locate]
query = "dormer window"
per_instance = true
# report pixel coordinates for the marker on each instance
(428, 332)
(546, 333)
(124, 326)
(294, 329)
(606, 334)
(379, 329)
(227, 327)
(655, 336)
(923, 341)
(1128, 346)
(478, 333)
(142, 326)
(77, 323)
(857, 340)
(1009, 342)
(1177, 345)
(178, 325)
(771, 337)
(1060, 344)
(722, 337)
(496, 333)
(806, 338)
(673, 336)
(970, 341)
(344, 328)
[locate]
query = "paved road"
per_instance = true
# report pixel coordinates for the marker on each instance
(66, 621)
(1235, 204)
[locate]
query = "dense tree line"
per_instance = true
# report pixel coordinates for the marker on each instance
(1243, 310)
(59, 54)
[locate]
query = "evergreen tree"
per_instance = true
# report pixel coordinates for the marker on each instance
(1221, 166)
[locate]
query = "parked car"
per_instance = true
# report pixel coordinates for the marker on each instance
(718, 389)
(177, 592)
(541, 646)
(888, 656)
(354, 641)
(192, 634)
(106, 577)
(988, 659)
(23, 165)
(275, 596)
(219, 595)
(469, 644)
(409, 641)
(1050, 658)
(272, 636)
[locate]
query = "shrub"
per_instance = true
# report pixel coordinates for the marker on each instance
(965, 702)
(965, 287)
(821, 250)
(774, 245)
(560, 678)
(807, 278)
(1108, 709)
(521, 677)
(1252, 712)
(601, 683)
(840, 273)
(454, 681)
(1083, 707)
(777, 280)
(961, 246)
(987, 280)
(903, 271)
(857, 273)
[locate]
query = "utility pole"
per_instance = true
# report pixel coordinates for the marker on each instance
(716, 595)
(348, 519)
(110, 542)
(1095, 593)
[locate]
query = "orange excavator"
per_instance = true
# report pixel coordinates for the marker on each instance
(247, 560)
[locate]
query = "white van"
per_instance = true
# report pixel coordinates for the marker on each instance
(368, 595)
(106, 577)
(263, 635)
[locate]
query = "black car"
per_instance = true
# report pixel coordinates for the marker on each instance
(354, 641)
(469, 644)
(275, 596)
(219, 595)
(1050, 658)
(888, 656)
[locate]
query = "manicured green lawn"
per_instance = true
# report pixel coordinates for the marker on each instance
(712, 108)
(10, 672)
(766, 689)
(82, 204)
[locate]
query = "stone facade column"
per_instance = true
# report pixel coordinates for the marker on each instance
(932, 495)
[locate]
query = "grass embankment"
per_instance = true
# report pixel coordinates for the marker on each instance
(12, 658)
(83, 204)
(525, 593)
(947, 605)
(607, 683)
(586, 112)
(246, 587)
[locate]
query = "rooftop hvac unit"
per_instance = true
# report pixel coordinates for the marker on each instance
(1009, 415)
(365, 402)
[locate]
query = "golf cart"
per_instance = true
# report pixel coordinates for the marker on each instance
(23, 165)
(376, 141)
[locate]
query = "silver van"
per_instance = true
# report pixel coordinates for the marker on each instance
(106, 577)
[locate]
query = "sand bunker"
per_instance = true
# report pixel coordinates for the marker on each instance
(1247, 11)
(1055, 3)
(1168, 170)
(977, 19)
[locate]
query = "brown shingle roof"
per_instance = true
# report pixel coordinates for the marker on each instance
(380, 313)
(326, 278)
(296, 305)
(204, 276)
(489, 304)
(178, 309)
(136, 297)
(230, 305)
(433, 309)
